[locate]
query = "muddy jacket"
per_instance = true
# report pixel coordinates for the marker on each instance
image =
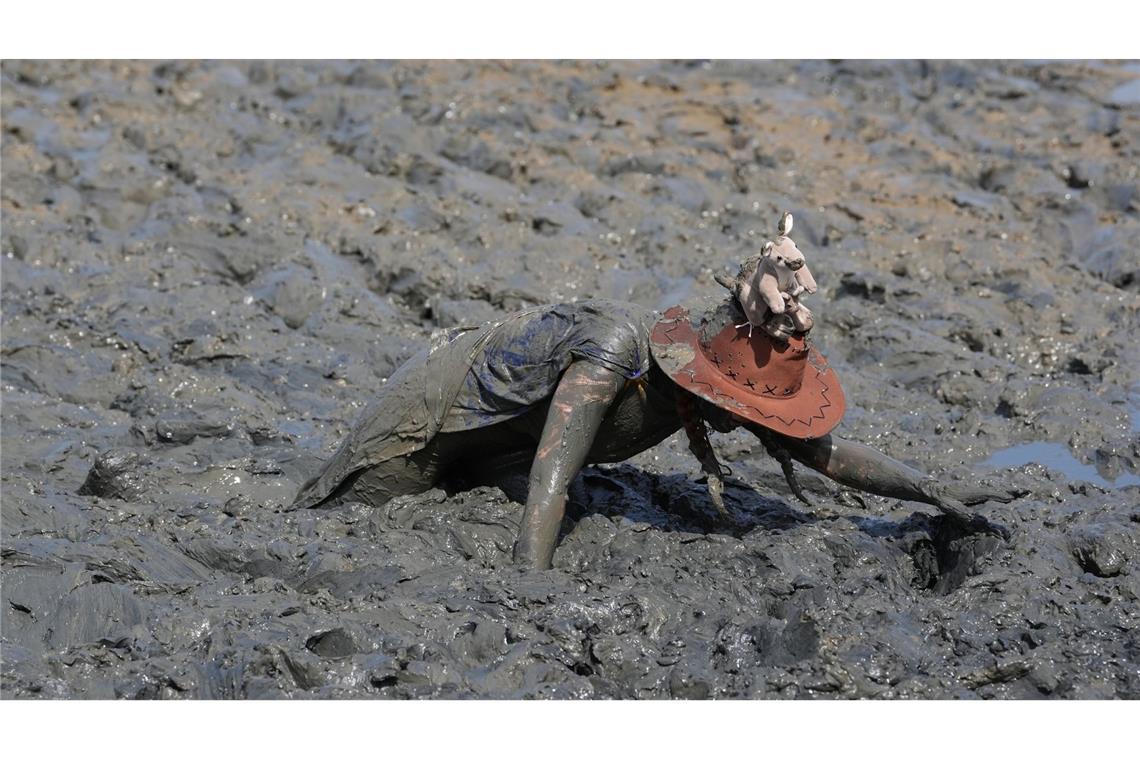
(472, 378)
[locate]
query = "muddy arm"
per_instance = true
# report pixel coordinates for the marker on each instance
(580, 402)
(861, 467)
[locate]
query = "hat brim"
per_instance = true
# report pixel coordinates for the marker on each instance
(812, 412)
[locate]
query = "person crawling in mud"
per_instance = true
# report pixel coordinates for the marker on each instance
(556, 387)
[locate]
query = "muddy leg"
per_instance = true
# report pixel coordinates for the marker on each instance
(413, 473)
(861, 467)
(580, 402)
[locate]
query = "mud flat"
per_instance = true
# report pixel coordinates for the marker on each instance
(209, 268)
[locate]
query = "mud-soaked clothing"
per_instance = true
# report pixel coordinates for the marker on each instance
(471, 379)
(523, 358)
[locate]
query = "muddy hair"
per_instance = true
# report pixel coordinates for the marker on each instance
(688, 409)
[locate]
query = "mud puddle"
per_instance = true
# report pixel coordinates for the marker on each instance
(1056, 456)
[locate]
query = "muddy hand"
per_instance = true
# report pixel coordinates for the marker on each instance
(697, 433)
(716, 494)
(941, 497)
(977, 494)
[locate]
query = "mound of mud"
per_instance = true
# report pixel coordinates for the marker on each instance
(209, 269)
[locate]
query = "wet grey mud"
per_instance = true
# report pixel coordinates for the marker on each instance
(209, 269)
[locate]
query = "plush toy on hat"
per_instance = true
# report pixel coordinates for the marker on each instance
(770, 283)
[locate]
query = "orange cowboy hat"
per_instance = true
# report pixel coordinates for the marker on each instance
(786, 387)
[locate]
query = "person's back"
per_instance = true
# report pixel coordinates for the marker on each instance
(522, 358)
(472, 379)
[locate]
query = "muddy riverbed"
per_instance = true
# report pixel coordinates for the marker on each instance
(210, 268)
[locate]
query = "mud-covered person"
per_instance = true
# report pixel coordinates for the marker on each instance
(553, 388)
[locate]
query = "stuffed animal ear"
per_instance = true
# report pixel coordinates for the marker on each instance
(768, 248)
(785, 227)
